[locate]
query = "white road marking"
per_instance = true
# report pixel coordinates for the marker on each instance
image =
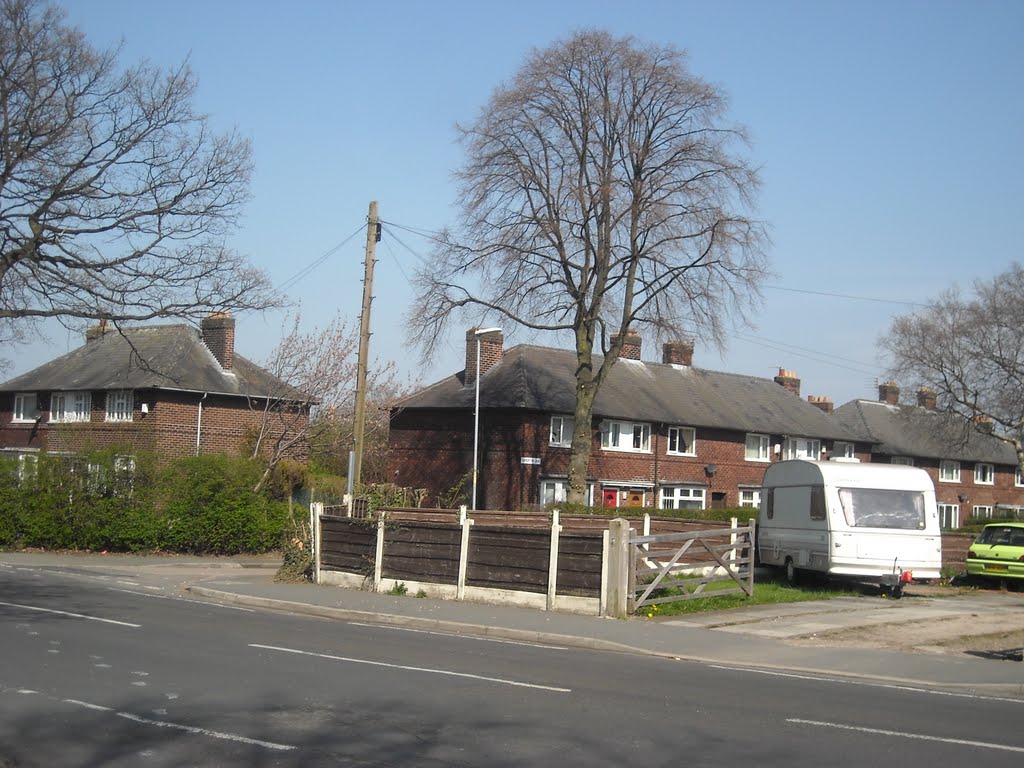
(73, 615)
(428, 670)
(867, 684)
(177, 726)
(456, 634)
(906, 735)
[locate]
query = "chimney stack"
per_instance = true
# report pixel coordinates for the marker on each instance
(824, 402)
(926, 398)
(789, 380)
(889, 393)
(630, 345)
(217, 331)
(491, 352)
(96, 332)
(677, 353)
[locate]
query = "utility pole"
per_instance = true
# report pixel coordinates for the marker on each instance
(372, 238)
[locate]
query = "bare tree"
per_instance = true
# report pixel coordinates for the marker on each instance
(970, 352)
(115, 195)
(602, 191)
(314, 402)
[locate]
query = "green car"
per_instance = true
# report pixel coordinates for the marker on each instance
(998, 552)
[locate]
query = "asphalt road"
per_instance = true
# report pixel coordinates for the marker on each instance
(100, 672)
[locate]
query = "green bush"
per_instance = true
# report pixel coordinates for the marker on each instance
(104, 501)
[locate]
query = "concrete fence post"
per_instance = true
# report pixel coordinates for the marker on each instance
(618, 588)
(316, 511)
(466, 523)
(378, 558)
(556, 529)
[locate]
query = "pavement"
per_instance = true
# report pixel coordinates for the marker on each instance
(759, 637)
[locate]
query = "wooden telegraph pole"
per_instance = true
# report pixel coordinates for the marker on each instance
(372, 238)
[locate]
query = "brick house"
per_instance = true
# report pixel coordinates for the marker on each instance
(170, 389)
(975, 473)
(665, 434)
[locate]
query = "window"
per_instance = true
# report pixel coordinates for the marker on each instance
(818, 508)
(883, 508)
(625, 436)
(905, 461)
(750, 497)
(949, 516)
(561, 431)
(982, 510)
(70, 406)
(949, 471)
(27, 466)
(551, 491)
(25, 408)
(119, 405)
(842, 450)
(757, 448)
(799, 448)
(984, 474)
(682, 441)
(683, 497)
(1018, 478)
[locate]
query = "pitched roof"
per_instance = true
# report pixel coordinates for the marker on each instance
(542, 379)
(906, 430)
(151, 357)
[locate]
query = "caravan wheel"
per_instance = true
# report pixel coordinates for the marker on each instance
(790, 572)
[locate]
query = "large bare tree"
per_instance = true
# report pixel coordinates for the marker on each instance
(115, 195)
(969, 350)
(603, 191)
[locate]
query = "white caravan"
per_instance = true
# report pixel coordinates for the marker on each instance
(872, 522)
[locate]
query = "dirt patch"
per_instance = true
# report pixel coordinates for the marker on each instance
(973, 634)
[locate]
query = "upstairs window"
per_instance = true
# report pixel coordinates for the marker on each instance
(626, 436)
(70, 406)
(949, 471)
(984, 474)
(841, 450)
(25, 407)
(561, 431)
(757, 448)
(682, 441)
(799, 448)
(1018, 478)
(120, 404)
(904, 461)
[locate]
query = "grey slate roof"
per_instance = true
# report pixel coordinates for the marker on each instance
(169, 357)
(906, 430)
(542, 379)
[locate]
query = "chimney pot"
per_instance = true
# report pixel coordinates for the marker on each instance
(789, 380)
(889, 392)
(926, 398)
(824, 402)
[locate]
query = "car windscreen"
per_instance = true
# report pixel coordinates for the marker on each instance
(883, 508)
(1005, 535)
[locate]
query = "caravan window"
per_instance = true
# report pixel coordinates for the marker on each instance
(817, 502)
(882, 508)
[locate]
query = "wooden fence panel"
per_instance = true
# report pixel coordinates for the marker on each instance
(348, 545)
(509, 558)
(579, 564)
(422, 552)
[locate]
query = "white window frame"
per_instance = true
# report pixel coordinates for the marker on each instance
(984, 473)
(28, 465)
(948, 514)
(26, 406)
(1018, 478)
(560, 433)
(676, 496)
(624, 436)
(801, 448)
(120, 405)
(553, 491)
(843, 450)
(80, 410)
(761, 451)
(949, 471)
(982, 511)
(754, 500)
(903, 461)
(689, 437)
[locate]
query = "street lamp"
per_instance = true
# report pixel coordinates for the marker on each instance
(476, 408)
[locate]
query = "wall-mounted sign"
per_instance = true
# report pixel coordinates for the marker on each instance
(534, 460)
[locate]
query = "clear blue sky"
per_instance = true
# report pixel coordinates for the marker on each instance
(889, 134)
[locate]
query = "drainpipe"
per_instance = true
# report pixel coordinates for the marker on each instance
(199, 421)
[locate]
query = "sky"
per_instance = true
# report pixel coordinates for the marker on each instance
(888, 136)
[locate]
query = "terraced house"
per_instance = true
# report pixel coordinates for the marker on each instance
(665, 434)
(170, 389)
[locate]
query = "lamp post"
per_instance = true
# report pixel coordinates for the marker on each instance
(476, 409)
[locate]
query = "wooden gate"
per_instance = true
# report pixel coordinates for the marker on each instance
(667, 567)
